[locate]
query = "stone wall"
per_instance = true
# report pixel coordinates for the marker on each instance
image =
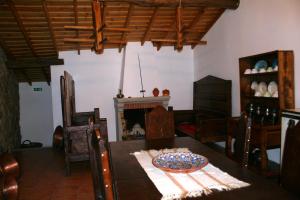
(10, 136)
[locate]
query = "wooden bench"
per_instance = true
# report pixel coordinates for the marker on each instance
(207, 121)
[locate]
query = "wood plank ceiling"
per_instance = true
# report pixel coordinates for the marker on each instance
(32, 32)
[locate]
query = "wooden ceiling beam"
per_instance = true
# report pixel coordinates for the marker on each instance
(80, 27)
(227, 4)
(88, 40)
(147, 32)
(98, 24)
(36, 61)
(75, 5)
(20, 25)
(45, 8)
(129, 14)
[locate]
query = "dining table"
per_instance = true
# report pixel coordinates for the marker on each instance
(131, 182)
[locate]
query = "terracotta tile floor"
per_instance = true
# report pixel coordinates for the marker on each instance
(43, 177)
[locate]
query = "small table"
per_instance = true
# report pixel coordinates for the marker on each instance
(132, 183)
(265, 137)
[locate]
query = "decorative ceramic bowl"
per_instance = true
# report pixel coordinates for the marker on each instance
(261, 64)
(179, 162)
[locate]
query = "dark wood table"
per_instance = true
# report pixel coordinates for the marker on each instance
(132, 183)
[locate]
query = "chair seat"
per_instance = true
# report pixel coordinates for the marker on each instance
(189, 129)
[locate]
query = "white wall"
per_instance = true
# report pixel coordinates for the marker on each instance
(255, 27)
(36, 113)
(97, 78)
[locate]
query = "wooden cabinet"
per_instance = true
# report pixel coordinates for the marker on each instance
(284, 77)
(265, 108)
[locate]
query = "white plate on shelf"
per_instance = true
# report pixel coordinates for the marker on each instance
(272, 87)
(262, 88)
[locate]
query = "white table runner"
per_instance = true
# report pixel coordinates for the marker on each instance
(181, 185)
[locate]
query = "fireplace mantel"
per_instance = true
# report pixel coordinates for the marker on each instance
(135, 103)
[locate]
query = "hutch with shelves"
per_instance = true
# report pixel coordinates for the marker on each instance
(260, 100)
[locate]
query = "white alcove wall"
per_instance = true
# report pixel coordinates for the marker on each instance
(97, 78)
(36, 122)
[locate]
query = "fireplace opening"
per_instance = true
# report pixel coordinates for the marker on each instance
(135, 121)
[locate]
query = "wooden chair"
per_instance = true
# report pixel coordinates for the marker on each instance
(99, 161)
(211, 110)
(75, 123)
(159, 123)
(290, 169)
(240, 130)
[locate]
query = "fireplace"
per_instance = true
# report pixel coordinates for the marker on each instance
(134, 108)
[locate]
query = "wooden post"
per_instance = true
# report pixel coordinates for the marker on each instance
(179, 44)
(98, 24)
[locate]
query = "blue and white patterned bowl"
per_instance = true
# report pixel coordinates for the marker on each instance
(179, 162)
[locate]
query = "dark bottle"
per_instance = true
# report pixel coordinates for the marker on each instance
(258, 115)
(267, 116)
(250, 110)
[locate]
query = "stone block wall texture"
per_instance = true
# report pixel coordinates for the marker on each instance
(10, 136)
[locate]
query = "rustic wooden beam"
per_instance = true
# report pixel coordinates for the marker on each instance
(75, 5)
(129, 13)
(104, 28)
(45, 8)
(26, 77)
(36, 61)
(227, 4)
(80, 27)
(147, 32)
(20, 25)
(175, 41)
(98, 24)
(179, 44)
(84, 40)
(88, 40)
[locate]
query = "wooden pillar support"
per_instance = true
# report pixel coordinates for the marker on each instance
(98, 26)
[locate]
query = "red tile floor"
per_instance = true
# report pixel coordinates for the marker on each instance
(43, 177)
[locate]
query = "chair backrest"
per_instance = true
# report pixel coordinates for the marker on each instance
(290, 171)
(159, 123)
(100, 167)
(241, 131)
(67, 90)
